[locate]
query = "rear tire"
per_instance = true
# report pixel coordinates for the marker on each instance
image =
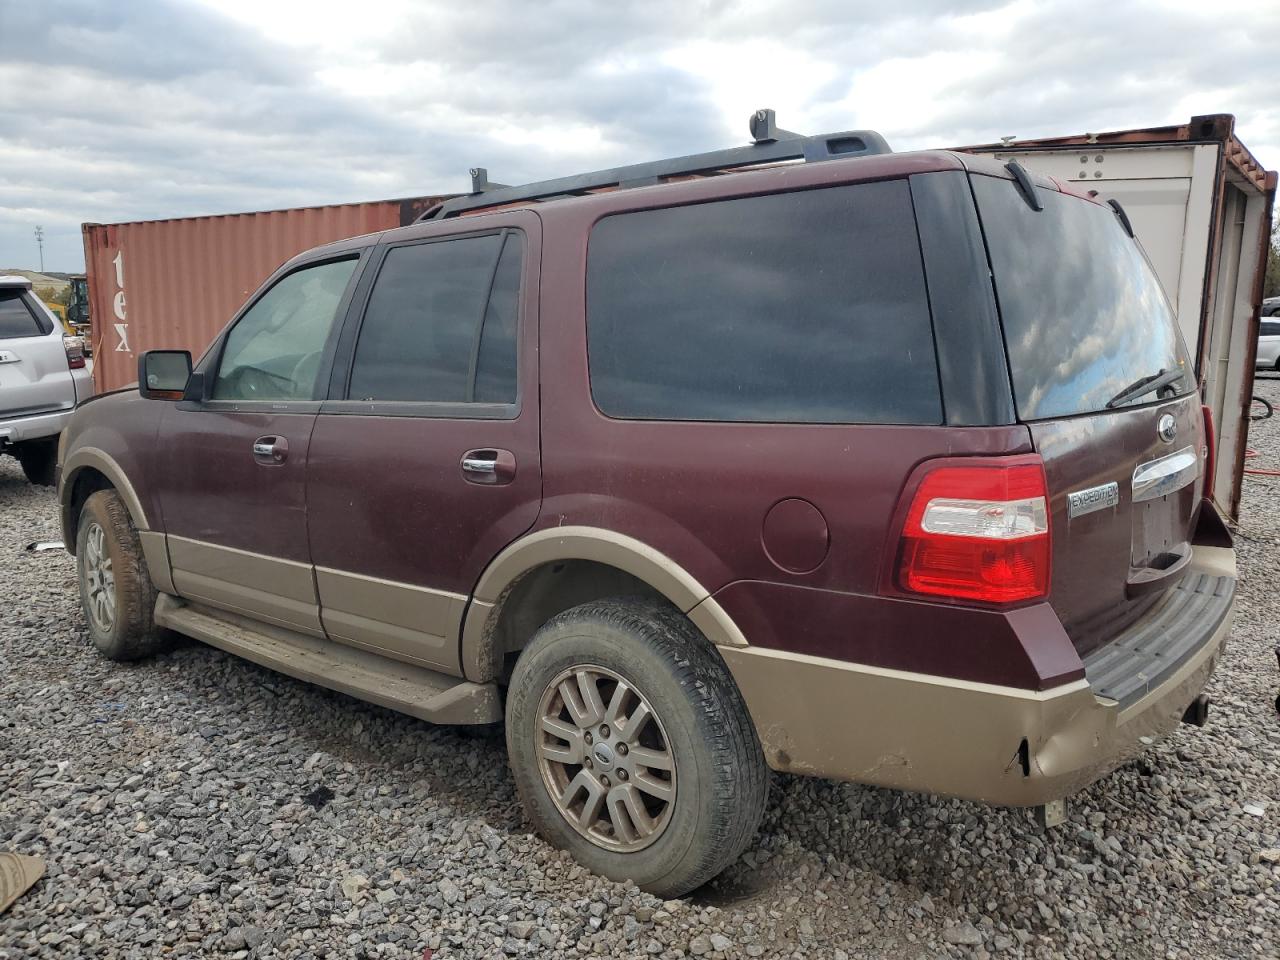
(39, 459)
(116, 592)
(678, 730)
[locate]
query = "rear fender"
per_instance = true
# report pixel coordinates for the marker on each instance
(597, 545)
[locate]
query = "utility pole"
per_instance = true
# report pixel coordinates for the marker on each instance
(40, 244)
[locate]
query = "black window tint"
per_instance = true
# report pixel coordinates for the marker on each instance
(800, 307)
(1271, 328)
(496, 358)
(421, 338)
(1083, 314)
(15, 319)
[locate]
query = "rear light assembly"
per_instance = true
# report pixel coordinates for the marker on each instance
(977, 529)
(75, 352)
(1210, 452)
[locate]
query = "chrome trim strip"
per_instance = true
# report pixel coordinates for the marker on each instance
(1158, 478)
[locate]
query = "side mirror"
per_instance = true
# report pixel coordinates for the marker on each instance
(163, 374)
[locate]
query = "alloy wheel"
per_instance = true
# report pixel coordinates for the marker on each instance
(605, 758)
(99, 579)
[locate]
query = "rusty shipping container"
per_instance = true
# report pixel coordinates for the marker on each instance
(175, 283)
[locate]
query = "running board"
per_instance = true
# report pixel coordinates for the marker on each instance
(416, 691)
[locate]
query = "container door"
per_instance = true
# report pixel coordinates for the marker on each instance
(427, 462)
(1102, 379)
(233, 488)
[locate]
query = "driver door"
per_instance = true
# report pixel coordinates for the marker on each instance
(233, 492)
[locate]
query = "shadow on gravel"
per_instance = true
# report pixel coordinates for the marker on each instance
(399, 750)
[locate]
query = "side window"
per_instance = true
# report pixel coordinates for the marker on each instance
(274, 350)
(16, 320)
(441, 323)
(806, 307)
(1271, 328)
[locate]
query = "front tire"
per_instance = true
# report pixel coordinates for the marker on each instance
(631, 747)
(116, 593)
(39, 459)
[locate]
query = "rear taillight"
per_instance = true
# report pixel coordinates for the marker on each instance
(1210, 452)
(978, 530)
(75, 352)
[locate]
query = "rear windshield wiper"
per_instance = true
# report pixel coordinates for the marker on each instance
(1139, 388)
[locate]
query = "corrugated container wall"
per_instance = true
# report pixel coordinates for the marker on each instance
(174, 284)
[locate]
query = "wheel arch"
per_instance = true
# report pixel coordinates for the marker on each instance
(88, 470)
(551, 570)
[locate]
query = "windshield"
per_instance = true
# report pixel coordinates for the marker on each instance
(1084, 316)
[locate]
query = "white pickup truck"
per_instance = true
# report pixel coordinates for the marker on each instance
(43, 375)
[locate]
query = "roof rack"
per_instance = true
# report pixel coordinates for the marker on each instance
(769, 144)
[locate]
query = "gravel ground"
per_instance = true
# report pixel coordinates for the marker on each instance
(197, 805)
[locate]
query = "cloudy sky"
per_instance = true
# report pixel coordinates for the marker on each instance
(144, 109)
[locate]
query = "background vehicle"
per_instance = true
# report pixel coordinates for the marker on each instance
(78, 311)
(42, 378)
(1268, 345)
(781, 469)
(1271, 307)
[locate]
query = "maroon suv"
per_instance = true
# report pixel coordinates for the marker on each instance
(880, 467)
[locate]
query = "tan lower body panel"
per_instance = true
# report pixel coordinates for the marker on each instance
(416, 691)
(401, 620)
(156, 552)
(281, 592)
(18, 873)
(889, 728)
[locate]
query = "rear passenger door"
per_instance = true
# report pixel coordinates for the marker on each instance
(425, 461)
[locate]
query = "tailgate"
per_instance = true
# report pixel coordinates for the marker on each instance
(1102, 381)
(1123, 504)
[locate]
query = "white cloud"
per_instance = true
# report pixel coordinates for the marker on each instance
(171, 109)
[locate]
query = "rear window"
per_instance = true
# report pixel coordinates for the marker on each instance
(803, 307)
(1083, 314)
(15, 319)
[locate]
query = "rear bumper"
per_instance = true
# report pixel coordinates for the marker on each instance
(33, 427)
(912, 731)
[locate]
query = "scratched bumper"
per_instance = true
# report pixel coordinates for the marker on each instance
(890, 728)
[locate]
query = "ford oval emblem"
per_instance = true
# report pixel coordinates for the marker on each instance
(1167, 428)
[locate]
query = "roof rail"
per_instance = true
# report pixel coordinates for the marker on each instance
(769, 144)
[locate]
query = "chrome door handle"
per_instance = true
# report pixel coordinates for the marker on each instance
(489, 466)
(476, 465)
(270, 451)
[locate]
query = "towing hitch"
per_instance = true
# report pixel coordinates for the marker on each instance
(1052, 814)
